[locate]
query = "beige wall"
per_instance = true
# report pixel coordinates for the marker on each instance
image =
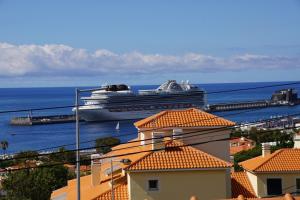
(219, 149)
(288, 182)
(180, 185)
(253, 180)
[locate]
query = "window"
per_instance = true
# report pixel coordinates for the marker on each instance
(274, 186)
(153, 185)
(298, 185)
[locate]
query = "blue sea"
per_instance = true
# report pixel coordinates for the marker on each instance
(21, 138)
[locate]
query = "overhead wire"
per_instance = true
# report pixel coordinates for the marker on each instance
(212, 92)
(167, 127)
(206, 131)
(181, 124)
(124, 154)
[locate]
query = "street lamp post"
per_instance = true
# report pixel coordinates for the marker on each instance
(125, 162)
(77, 145)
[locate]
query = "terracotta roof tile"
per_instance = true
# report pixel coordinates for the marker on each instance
(237, 149)
(183, 118)
(282, 160)
(176, 156)
(90, 192)
(240, 144)
(120, 193)
(285, 197)
(240, 184)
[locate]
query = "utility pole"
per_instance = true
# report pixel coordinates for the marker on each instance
(125, 161)
(77, 144)
(112, 180)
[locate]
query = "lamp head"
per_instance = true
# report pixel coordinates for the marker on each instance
(126, 161)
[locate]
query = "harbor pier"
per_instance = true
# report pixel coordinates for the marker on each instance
(38, 120)
(286, 97)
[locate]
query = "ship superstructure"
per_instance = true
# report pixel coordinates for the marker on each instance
(119, 102)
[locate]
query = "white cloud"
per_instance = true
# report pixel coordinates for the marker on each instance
(62, 60)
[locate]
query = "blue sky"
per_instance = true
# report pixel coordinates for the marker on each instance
(59, 43)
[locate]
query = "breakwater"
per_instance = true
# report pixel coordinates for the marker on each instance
(39, 120)
(285, 97)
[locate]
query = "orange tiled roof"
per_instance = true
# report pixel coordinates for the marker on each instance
(120, 193)
(85, 168)
(285, 197)
(240, 144)
(183, 118)
(241, 140)
(240, 184)
(176, 156)
(282, 160)
(88, 191)
(237, 149)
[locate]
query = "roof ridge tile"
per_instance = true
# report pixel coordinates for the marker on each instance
(150, 119)
(285, 159)
(117, 186)
(207, 154)
(268, 159)
(189, 157)
(136, 161)
(183, 118)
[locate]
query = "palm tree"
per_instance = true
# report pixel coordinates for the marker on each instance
(4, 145)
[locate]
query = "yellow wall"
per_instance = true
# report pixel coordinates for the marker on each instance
(180, 185)
(288, 181)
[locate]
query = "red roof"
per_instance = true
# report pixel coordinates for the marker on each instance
(240, 144)
(240, 185)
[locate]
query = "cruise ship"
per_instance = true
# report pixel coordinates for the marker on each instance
(119, 102)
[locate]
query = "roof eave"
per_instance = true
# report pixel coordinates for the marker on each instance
(179, 169)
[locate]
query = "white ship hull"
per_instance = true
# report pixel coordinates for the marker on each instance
(118, 102)
(99, 114)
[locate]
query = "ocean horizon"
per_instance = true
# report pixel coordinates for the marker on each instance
(137, 85)
(37, 137)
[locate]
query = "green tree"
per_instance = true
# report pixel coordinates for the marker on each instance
(22, 156)
(6, 163)
(63, 155)
(236, 133)
(245, 155)
(4, 146)
(35, 184)
(103, 145)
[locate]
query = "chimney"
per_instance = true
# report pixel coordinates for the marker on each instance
(142, 138)
(288, 196)
(241, 197)
(194, 198)
(95, 169)
(177, 133)
(266, 150)
(297, 140)
(158, 140)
